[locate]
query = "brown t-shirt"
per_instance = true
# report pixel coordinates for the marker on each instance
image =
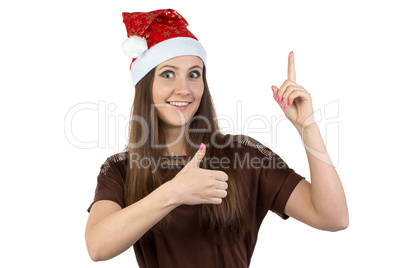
(269, 183)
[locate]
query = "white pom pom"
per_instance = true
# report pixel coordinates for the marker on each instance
(134, 46)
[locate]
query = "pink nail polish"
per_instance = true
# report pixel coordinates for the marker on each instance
(288, 102)
(284, 106)
(272, 88)
(202, 146)
(277, 99)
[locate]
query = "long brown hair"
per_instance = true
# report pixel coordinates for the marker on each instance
(227, 218)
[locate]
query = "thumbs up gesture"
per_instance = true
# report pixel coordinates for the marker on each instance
(195, 185)
(294, 99)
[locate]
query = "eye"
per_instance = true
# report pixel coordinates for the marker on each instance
(194, 74)
(167, 74)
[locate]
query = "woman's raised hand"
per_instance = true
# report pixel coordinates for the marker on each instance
(194, 185)
(294, 99)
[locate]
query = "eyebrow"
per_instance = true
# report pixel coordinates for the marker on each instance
(175, 67)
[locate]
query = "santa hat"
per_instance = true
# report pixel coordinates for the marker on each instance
(157, 36)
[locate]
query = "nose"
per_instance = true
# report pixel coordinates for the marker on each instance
(181, 87)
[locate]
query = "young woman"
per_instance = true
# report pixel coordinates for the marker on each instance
(184, 194)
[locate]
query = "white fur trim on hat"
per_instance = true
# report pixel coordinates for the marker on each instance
(134, 46)
(163, 51)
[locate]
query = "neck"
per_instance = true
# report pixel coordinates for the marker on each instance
(175, 141)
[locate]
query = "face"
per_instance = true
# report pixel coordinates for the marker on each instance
(177, 90)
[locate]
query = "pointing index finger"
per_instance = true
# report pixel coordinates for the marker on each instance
(291, 67)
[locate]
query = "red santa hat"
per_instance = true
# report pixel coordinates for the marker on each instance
(157, 36)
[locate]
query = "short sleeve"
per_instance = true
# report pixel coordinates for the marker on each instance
(271, 181)
(276, 183)
(110, 182)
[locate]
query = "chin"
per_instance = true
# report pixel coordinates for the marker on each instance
(174, 118)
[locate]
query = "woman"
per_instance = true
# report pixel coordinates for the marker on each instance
(184, 194)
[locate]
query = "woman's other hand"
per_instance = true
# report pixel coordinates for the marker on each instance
(294, 99)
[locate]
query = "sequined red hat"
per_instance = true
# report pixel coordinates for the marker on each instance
(157, 36)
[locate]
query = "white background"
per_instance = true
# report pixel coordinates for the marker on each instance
(58, 54)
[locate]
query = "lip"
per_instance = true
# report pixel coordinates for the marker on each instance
(178, 107)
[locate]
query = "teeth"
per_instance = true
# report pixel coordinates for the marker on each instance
(179, 103)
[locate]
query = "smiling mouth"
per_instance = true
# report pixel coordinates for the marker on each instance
(179, 103)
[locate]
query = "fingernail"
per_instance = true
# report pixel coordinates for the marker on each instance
(284, 106)
(277, 99)
(202, 146)
(288, 102)
(272, 87)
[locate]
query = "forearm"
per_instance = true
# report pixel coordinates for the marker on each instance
(327, 194)
(120, 230)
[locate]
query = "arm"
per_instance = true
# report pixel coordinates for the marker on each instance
(321, 204)
(111, 230)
